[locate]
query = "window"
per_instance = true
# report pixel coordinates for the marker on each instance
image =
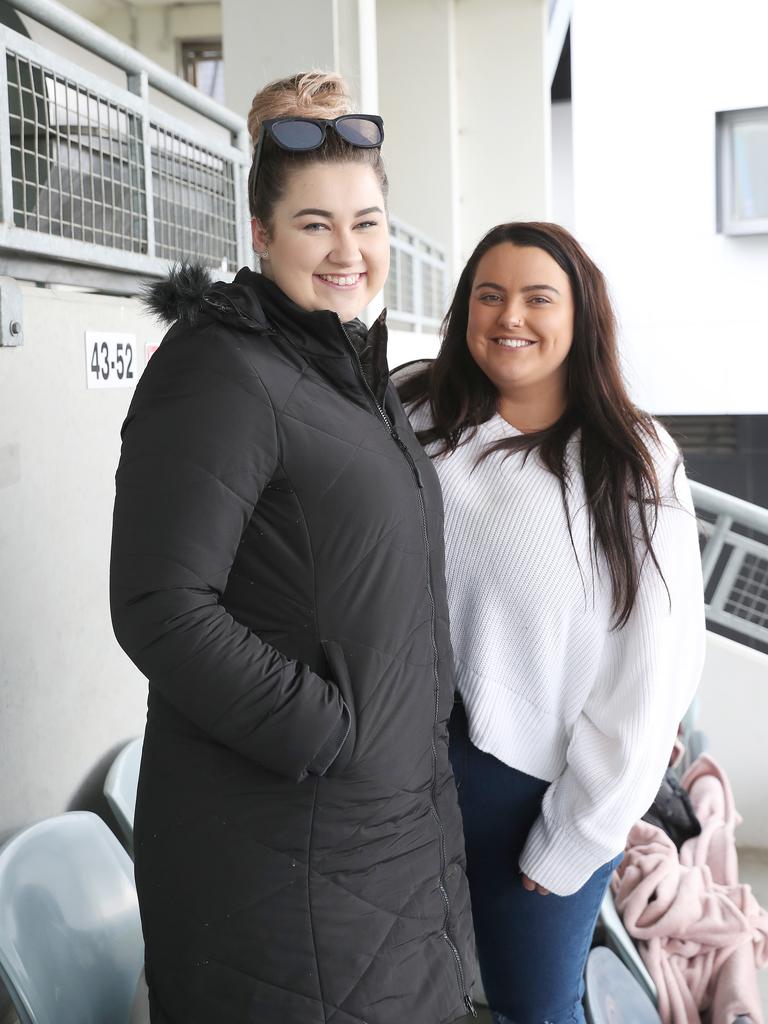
(742, 171)
(202, 64)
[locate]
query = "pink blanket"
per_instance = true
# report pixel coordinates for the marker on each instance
(702, 934)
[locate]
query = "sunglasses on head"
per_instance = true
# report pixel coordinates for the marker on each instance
(302, 134)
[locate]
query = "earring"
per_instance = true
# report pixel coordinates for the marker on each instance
(263, 255)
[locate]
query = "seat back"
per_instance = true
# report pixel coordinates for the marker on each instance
(120, 787)
(618, 939)
(71, 947)
(612, 994)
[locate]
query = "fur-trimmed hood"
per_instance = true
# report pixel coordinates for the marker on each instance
(189, 291)
(178, 296)
(189, 294)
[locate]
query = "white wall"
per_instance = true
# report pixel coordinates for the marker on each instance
(405, 346)
(68, 694)
(733, 712)
(647, 80)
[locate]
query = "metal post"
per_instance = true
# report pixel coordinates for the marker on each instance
(242, 141)
(714, 546)
(418, 295)
(139, 86)
(726, 582)
(6, 181)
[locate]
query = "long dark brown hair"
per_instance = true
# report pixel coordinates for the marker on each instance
(620, 480)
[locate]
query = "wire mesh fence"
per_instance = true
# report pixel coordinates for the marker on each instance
(735, 564)
(105, 177)
(748, 598)
(76, 160)
(416, 290)
(194, 200)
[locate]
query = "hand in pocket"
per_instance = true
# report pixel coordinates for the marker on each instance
(334, 655)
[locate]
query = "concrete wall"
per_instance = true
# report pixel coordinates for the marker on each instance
(69, 696)
(647, 82)
(733, 712)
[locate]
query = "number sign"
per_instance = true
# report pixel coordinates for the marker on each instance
(111, 360)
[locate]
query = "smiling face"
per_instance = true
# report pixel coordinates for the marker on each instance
(328, 240)
(520, 326)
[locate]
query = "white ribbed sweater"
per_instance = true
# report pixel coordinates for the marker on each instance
(549, 688)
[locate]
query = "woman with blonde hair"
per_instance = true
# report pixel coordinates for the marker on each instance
(277, 574)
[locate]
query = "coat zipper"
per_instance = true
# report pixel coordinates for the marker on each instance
(446, 935)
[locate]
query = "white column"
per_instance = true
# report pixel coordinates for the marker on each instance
(367, 41)
(416, 87)
(503, 99)
(271, 39)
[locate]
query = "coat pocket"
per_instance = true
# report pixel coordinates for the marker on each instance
(337, 663)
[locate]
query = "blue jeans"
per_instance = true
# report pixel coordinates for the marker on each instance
(532, 949)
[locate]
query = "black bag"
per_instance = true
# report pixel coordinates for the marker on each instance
(672, 811)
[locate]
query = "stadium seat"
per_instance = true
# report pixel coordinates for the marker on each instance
(71, 948)
(612, 994)
(620, 942)
(120, 787)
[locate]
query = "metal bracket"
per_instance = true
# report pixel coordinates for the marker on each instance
(11, 313)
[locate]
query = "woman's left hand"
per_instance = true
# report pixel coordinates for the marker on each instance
(531, 886)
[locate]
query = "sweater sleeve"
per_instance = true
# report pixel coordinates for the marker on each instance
(199, 445)
(622, 739)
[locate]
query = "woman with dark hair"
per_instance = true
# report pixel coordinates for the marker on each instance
(576, 602)
(277, 574)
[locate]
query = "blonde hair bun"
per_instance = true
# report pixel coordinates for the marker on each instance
(309, 94)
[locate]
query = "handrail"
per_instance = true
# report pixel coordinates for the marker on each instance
(94, 176)
(734, 563)
(83, 32)
(744, 512)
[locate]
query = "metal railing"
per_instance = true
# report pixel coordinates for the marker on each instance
(94, 174)
(416, 292)
(734, 562)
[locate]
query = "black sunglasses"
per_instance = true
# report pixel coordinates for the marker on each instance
(302, 134)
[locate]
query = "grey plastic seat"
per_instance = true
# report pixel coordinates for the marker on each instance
(612, 994)
(694, 740)
(618, 939)
(71, 948)
(120, 787)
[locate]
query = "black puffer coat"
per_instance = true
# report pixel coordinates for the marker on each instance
(277, 574)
